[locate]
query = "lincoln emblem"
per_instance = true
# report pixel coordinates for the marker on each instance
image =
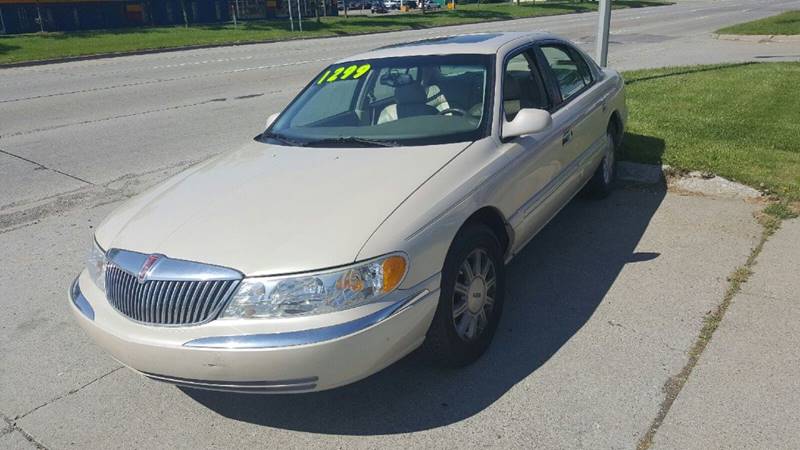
(148, 264)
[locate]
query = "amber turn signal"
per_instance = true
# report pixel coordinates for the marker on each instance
(394, 267)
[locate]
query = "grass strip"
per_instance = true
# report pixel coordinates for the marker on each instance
(738, 121)
(787, 23)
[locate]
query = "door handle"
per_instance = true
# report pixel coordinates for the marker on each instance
(602, 104)
(566, 137)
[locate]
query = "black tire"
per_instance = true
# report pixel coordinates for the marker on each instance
(444, 343)
(602, 181)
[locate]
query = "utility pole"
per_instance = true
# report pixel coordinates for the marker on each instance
(603, 27)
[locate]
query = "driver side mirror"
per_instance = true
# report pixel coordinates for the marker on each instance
(271, 119)
(527, 121)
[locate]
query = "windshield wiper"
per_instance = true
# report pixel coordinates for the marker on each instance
(355, 140)
(282, 138)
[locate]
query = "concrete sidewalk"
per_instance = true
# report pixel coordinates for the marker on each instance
(745, 390)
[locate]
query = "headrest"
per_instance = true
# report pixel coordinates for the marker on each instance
(409, 94)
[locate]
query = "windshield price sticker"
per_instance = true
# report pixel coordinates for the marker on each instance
(344, 73)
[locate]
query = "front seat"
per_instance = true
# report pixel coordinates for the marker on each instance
(410, 101)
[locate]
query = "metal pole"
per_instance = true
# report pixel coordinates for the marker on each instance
(39, 17)
(2, 23)
(299, 16)
(291, 19)
(603, 27)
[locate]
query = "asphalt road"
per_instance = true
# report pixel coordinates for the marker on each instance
(604, 303)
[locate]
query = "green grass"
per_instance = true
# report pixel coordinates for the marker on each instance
(31, 47)
(786, 24)
(781, 210)
(739, 121)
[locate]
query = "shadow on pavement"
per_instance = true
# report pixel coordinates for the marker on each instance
(554, 286)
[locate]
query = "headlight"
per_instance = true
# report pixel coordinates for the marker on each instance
(96, 265)
(317, 293)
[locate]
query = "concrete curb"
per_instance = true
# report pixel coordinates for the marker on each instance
(784, 38)
(701, 183)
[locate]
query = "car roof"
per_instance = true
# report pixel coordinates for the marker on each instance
(473, 43)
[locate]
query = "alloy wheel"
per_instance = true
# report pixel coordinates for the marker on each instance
(474, 294)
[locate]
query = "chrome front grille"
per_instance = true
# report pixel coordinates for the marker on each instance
(178, 301)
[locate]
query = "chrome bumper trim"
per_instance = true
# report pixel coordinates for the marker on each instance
(304, 337)
(246, 387)
(80, 301)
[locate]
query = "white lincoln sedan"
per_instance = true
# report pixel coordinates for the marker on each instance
(374, 215)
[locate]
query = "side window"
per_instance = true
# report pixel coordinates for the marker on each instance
(569, 68)
(522, 86)
(330, 99)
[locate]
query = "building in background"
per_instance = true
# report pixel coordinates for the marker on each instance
(30, 16)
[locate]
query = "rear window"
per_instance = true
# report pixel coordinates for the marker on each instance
(569, 68)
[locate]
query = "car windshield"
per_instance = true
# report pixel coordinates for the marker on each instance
(415, 100)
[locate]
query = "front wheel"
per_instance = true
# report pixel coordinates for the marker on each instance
(471, 299)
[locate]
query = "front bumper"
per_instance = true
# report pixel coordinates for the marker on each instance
(261, 356)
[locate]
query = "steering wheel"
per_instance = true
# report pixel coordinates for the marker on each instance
(458, 111)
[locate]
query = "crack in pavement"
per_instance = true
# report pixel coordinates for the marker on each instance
(29, 213)
(675, 383)
(68, 393)
(165, 80)
(12, 426)
(120, 116)
(46, 167)
(138, 113)
(6, 430)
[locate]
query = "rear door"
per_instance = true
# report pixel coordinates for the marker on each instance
(579, 104)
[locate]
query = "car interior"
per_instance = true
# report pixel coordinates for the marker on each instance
(522, 87)
(453, 94)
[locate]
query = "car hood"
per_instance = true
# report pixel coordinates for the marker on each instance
(268, 209)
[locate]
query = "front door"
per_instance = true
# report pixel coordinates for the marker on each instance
(539, 160)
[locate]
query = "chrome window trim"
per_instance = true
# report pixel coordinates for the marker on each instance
(316, 335)
(80, 301)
